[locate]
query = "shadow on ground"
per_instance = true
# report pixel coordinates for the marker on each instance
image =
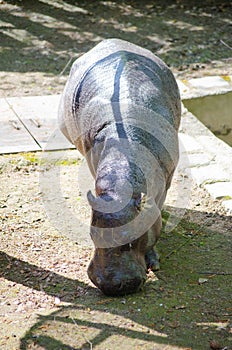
(45, 35)
(189, 302)
(186, 305)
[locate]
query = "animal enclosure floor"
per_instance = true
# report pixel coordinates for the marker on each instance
(30, 124)
(47, 300)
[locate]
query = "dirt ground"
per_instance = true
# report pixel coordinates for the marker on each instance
(46, 298)
(47, 301)
(41, 39)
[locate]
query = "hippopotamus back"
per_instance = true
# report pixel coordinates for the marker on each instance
(115, 71)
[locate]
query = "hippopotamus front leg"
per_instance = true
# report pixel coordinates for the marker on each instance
(152, 260)
(151, 255)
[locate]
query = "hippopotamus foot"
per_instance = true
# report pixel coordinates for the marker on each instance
(152, 260)
(118, 271)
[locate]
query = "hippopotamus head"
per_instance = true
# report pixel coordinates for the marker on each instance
(118, 266)
(118, 271)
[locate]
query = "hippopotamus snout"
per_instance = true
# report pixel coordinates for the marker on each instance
(117, 273)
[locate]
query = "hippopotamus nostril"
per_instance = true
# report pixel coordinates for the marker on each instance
(99, 281)
(119, 286)
(117, 283)
(114, 277)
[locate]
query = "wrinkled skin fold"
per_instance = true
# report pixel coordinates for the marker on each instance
(121, 109)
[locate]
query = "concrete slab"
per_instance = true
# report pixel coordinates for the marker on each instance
(209, 174)
(215, 176)
(184, 89)
(39, 115)
(35, 106)
(197, 160)
(217, 150)
(228, 205)
(199, 87)
(220, 190)
(209, 82)
(215, 112)
(14, 137)
(189, 144)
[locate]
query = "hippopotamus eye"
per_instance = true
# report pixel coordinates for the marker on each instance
(139, 202)
(125, 247)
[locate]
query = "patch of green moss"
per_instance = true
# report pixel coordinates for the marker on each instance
(227, 198)
(67, 162)
(38, 158)
(32, 157)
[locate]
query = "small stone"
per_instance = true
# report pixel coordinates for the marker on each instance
(202, 280)
(57, 301)
(214, 345)
(228, 205)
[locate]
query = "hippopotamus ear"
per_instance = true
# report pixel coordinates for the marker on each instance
(104, 204)
(140, 201)
(91, 198)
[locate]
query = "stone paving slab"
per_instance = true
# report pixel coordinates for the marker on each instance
(38, 114)
(13, 135)
(228, 205)
(206, 159)
(211, 173)
(208, 82)
(220, 190)
(205, 86)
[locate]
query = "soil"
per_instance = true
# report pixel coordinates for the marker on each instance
(46, 298)
(41, 39)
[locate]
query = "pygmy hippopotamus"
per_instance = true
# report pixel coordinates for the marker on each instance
(121, 109)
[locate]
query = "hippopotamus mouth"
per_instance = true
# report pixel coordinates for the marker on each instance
(118, 271)
(122, 255)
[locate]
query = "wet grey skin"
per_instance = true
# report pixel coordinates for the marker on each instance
(121, 109)
(118, 271)
(121, 271)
